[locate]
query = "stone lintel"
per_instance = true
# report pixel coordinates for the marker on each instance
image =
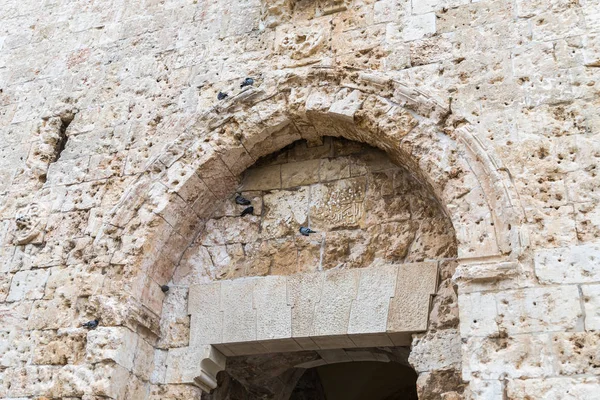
(315, 311)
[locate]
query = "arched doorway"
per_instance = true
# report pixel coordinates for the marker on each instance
(158, 219)
(362, 380)
(352, 374)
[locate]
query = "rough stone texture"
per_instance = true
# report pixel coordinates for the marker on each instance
(365, 209)
(491, 106)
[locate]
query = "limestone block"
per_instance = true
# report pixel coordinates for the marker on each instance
(409, 309)
(161, 392)
(425, 6)
(551, 25)
(110, 380)
(370, 309)
(284, 212)
(143, 365)
(198, 365)
(73, 281)
(575, 264)
(436, 351)
(217, 177)
(62, 225)
(473, 14)
(117, 344)
(15, 348)
(486, 389)
(299, 173)
(30, 380)
(175, 321)
(523, 356)
(160, 366)
(226, 261)
(348, 248)
(332, 313)
(478, 312)
(194, 267)
(591, 304)
(68, 172)
(14, 314)
(397, 238)
(332, 169)
(239, 315)
(266, 178)
(577, 353)
(347, 105)
(204, 305)
(587, 217)
(273, 314)
(304, 41)
(553, 388)
(539, 310)
(418, 26)
(229, 230)
(51, 314)
(552, 227)
(304, 293)
(65, 346)
(28, 285)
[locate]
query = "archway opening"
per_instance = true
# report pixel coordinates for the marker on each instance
(357, 381)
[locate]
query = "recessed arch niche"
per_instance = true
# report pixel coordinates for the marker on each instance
(159, 218)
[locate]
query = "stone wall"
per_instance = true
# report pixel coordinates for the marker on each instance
(363, 208)
(96, 95)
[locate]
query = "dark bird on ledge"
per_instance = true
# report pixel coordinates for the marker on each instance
(247, 82)
(164, 288)
(306, 231)
(242, 201)
(248, 210)
(222, 96)
(90, 324)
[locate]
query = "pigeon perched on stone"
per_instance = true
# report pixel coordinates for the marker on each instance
(164, 288)
(222, 96)
(247, 82)
(248, 210)
(90, 324)
(242, 201)
(306, 231)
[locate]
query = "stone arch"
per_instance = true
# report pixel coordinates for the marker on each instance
(159, 216)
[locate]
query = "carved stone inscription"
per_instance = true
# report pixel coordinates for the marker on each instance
(338, 204)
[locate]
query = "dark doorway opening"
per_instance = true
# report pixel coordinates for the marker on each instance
(367, 380)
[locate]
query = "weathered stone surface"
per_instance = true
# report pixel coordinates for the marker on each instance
(553, 388)
(415, 286)
(116, 152)
(577, 264)
(436, 351)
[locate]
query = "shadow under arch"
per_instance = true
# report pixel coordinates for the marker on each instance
(374, 373)
(159, 216)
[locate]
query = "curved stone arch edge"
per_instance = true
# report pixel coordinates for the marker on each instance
(366, 107)
(264, 114)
